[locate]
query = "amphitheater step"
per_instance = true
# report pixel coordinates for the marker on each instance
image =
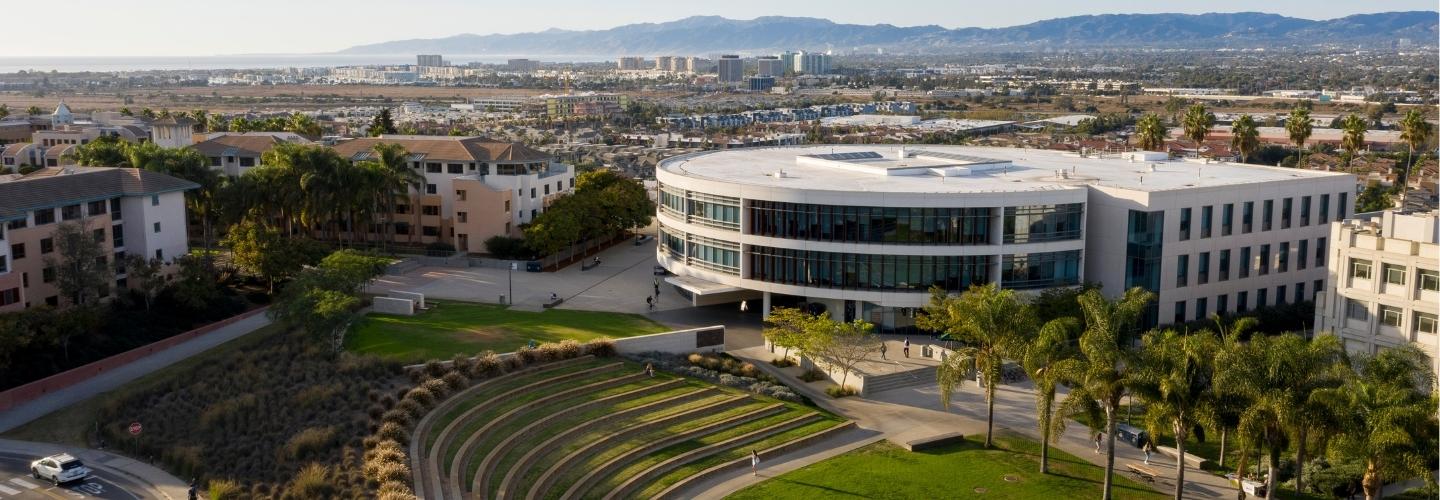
(481, 483)
(547, 480)
(465, 455)
(511, 482)
(897, 380)
(612, 466)
(809, 440)
(427, 478)
(630, 486)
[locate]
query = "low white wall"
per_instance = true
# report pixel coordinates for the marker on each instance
(677, 342)
(418, 298)
(389, 305)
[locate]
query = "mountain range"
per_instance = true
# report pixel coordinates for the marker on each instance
(712, 34)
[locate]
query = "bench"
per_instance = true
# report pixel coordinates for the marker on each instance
(1190, 459)
(1143, 471)
(929, 442)
(553, 303)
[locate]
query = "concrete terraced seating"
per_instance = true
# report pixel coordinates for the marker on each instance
(588, 428)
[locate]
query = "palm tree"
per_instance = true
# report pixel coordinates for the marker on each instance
(1386, 413)
(1150, 133)
(1230, 403)
(202, 119)
(1099, 378)
(4, 111)
(1354, 139)
(1174, 377)
(1415, 131)
(991, 323)
(1042, 360)
(1299, 127)
(1245, 137)
(1278, 374)
(1197, 125)
(400, 180)
(34, 111)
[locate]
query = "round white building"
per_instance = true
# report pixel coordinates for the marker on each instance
(863, 230)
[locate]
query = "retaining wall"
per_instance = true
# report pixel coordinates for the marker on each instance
(391, 305)
(704, 339)
(29, 392)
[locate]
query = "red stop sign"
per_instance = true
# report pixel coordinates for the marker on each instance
(134, 428)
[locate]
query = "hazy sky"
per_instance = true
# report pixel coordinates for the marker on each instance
(210, 27)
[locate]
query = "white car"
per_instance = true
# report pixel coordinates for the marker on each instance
(61, 468)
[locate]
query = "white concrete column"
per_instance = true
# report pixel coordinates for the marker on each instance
(765, 306)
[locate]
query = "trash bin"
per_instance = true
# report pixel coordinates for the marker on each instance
(502, 298)
(533, 266)
(1130, 434)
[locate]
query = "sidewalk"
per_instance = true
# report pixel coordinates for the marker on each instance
(62, 398)
(156, 483)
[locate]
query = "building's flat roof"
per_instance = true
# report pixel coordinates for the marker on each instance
(1006, 170)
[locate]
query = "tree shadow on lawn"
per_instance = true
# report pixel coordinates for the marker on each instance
(827, 489)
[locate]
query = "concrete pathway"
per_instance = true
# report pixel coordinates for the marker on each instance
(60, 399)
(138, 479)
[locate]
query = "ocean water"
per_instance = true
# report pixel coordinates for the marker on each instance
(140, 63)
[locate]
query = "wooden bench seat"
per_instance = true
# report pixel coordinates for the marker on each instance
(1145, 472)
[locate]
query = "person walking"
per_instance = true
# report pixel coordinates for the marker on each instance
(744, 306)
(650, 370)
(1148, 448)
(754, 463)
(1097, 443)
(650, 302)
(882, 349)
(907, 347)
(193, 489)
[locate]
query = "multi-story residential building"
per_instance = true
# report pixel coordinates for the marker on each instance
(475, 188)
(867, 232)
(812, 63)
(731, 68)
(429, 60)
(235, 153)
(1383, 285)
(762, 83)
(787, 61)
(130, 211)
(584, 104)
(522, 65)
(630, 63)
(172, 132)
(770, 66)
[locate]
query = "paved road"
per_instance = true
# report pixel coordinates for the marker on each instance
(16, 483)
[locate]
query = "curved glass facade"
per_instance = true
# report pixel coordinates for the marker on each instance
(867, 271)
(1040, 270)
(1037, 223)
(896, 225)
(699, 251)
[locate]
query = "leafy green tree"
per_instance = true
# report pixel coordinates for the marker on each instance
(1299, 128)
(1416, 132)
(145, 277)
(382, 124)
(202, 120)
(992, 324)
(323, 301)
(81, 271)
(1386, 413)
(1173, 105)
(304, 125)
(1278, 374)
(195, 285)
(1042, 360)
(841, 345)
(1245, 137)
(1375, 197)
(266, 252)
(1353, 139)
(104, 151)
(1229, 404)
(1197, 125)
(34, 111)
(4, 111)
(1174, 376)
(1150, 133)
(789, 328)
(1098, 380)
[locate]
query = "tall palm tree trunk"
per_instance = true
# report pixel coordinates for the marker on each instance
(1300, 460)
(1179, 459)
(1272, 479)
(1224, 433)
(1045, 432)
(1109, 451)
(1371, 483)
(989, 412)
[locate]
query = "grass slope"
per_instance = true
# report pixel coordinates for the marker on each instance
(883, 470)
(460, 327)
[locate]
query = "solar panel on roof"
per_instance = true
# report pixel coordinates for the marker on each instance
(957, 157)
(860, 155)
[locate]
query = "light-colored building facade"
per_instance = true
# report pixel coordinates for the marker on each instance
(731, 68)
(867, 232)
(429, 60)
(235, 153)
(812, 63)
(1384, 282)
(630, 63)
(769, 66)
(130, 211)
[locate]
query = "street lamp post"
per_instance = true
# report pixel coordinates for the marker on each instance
(510, 281)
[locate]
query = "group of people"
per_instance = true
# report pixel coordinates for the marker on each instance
(1147, 445)
(652, 300)
(906, 348)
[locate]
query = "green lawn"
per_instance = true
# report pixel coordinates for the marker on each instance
(460, 327)
(960, 470)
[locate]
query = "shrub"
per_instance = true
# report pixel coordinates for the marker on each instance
(398, 416)
(434, 368)
(387, 401)
(600, 348)
(439, 247)
(227, 410)
(777, 391)
(398, 496)
(548, 351)
(386, 448)
(568, 349)
(749, 370)
(383, 472)
(375, 412)
(782, 362)
(223, 489)
(394, 487)
(812, 375)
(310, 441)
(437, 387)
(487, 364)
(316, 394)
(460, 363)
(527, 355)
(421, 395)
(411, 407)
(837, 391)
(729, 380)
(313, 481)
(394, 432)
(695, 358)
(455, 381)
(512, 363)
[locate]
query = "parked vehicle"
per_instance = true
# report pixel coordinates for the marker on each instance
(57, 469)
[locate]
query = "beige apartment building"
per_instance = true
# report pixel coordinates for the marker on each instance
(129, 211)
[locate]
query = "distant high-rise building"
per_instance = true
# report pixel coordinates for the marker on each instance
(770, 66)
(522, 65)
(631, 63)
(731, 68)
(664, 63)
(762, 83)
(696, 65)
(429, 60)
(787, 60)
(812, 63)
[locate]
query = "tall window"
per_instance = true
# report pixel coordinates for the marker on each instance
(1361, 269)
(1203, 273)
(1324, 209)
(1429, 280)
(1202, 305)
(1267, 214)
(1285, 208)
(1319, 252)
(1391, 316)
(1247, 217)
(1245, 263)
(1264, 260)
(1283, 258)
(1304, 211)
(1302, 254)
(1182, 270)
(1344, 206)
(1394, 274)
(1224, 265)
(1207, 215)
(1184, 224)
(1227, 218)
(1242, 301)
(1180, 311)
(1425, 323)
(1222, 304)
(1262, 297)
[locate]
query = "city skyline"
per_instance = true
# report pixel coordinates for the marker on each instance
(323, 26)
